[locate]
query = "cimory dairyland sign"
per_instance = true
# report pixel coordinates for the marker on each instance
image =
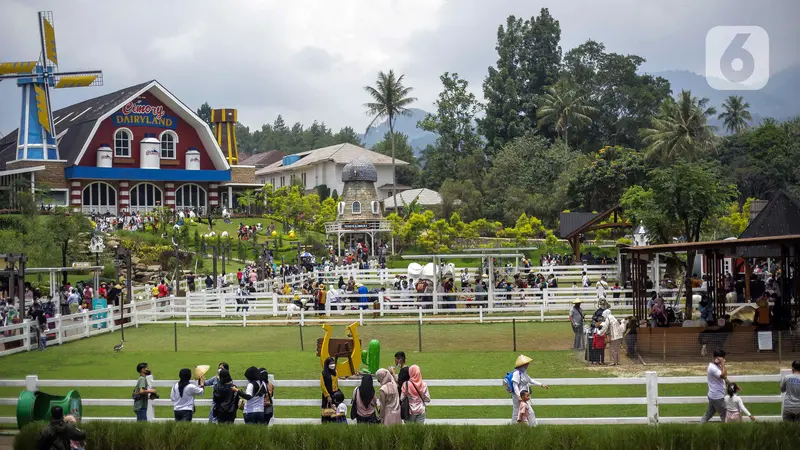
(141, 114)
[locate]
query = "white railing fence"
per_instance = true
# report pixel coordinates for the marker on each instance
(651, 381)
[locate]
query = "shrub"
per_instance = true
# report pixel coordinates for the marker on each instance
(185, 436)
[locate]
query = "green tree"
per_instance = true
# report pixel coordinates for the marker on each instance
(529, 58)
(562, 106)
(66, 231)
(347, 135)
(681, 201)
(390, 98)
(681, 129)
(461, 197)
(736, 114)
(204, 112)
(247, 199)
(600, 185)
(406, 175)
(457, 153)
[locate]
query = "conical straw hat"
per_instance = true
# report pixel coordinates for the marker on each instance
(522, 360)
(201, 370)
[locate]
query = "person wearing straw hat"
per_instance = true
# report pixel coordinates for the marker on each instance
(576, 319)
(521, 381)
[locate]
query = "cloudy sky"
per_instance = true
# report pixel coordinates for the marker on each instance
(309, 59)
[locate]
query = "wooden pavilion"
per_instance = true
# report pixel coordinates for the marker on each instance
(573, 225)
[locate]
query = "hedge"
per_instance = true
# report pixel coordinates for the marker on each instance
(187, 436)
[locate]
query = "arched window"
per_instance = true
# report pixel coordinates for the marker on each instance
(341, 208)
(169, 141)
(375, 207)
(145, 197)
(99, 198)
(122, 143)
(191, 196)
(356, 208)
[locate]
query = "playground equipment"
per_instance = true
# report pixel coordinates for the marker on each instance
(34, 406)
(349, 349)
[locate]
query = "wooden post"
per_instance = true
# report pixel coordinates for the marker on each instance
(514, 332)
(175, 333)
(748, 270)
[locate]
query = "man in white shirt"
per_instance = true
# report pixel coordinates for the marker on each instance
(602, 286)
(584, 280)
(717, 373)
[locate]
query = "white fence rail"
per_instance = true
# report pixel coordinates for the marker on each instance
(651, 381)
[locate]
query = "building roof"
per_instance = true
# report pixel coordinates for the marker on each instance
(571, 221)
(728, 246)
(780, 217)
(262, 159)
(76, 127)
(359, 169)
(339, 154)
(76, 124)
(390, 186)
(424, 197)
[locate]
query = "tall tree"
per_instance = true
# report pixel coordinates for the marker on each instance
(390, 98)
(529, 58)
(347, 135)
(406, 175)
(681, 129)
(679, 203)
(456, 153)
(736, 114)
(204, 112)
(562, 106)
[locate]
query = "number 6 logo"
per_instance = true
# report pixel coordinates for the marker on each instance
(737, 58)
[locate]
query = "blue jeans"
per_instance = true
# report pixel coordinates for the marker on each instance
(141, 414)
(254, 417)
(183, 416)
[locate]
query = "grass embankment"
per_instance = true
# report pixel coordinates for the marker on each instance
(455, 351)
(186, 436)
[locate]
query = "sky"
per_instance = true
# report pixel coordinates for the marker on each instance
(310, 59)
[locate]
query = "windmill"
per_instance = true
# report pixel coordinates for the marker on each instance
(37, 133)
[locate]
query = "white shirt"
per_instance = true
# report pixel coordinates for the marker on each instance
(185, 402)
(341, 409)
(256, 403)
(716, 385)
(521, 381)
(601, 289)
(585, 280)
(735, 404)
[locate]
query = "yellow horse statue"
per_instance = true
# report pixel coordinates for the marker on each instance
(348, 349)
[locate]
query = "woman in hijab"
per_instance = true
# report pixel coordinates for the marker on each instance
(416, 391)
(268, 409)
(329, 384)
(182, 395)
(364, 401)
(389, 398)
(254, 394)
(213, 381)
(225, 399)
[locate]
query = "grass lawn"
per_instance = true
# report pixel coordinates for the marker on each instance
(449, 351)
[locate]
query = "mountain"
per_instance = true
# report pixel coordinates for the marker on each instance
(780, 99)
(417, 138)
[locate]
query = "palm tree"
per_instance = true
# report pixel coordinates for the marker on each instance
(390, 99)
(564, 107)
(680, 129)
(736, 115)
(247, 199)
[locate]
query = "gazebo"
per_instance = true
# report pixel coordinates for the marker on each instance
(573, 225)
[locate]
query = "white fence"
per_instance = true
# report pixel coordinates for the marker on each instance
(651, 381)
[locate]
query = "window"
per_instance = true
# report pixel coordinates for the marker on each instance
(291, 179)
(283, 181)
(341, 208)
(375, 208)
(168, 141)
(191, 196)
(144, 197)
(303, 179)
(356, 208)
(272, 182)
(122, 143)
(54, 197)
(99, 198)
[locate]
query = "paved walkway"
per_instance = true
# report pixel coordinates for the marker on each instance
(6, 442)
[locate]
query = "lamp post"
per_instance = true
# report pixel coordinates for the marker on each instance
(123, 253)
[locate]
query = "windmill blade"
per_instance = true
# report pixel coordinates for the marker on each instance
(42, 110)
(48, 35)
(17, 68)
(78, 79)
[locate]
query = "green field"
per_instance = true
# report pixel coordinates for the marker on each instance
(449, 351)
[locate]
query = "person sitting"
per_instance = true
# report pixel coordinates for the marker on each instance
(58, 433)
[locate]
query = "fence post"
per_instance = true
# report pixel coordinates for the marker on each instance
(86, 324)
(651, 387)
(542, 311)
(784, 373)
(380, 303)
(32, 383)
(274, 304)
(361, 317)
(327, 307)
(302, 316)
(134, 313)
(59, 322)
(419, 328)
(26, 334)
(244, 317)
(188, 313)
(151, 412)
(480, 313)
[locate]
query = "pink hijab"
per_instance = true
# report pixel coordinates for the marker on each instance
(415, 378)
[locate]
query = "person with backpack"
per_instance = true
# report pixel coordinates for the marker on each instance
(415, 394)
(142, 392)
(225, 398)
(269, 410)
(254, 395)
(518, 381)
(58, 433)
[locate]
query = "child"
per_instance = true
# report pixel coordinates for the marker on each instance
(74, 445)
(734, 406)
(526, 415)
(341, 407)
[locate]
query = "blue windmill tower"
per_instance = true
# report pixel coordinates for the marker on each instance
(36, 139)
